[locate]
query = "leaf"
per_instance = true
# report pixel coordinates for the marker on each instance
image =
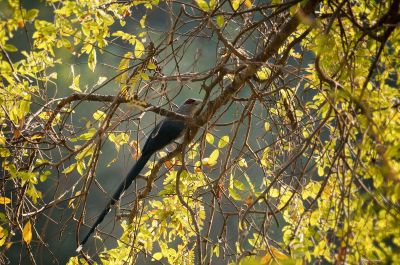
(27, 233)
(263, 73)
(151, 66)
(223, 141)
(242, 162)
(234, 194)
(10, 48)
(239, 185)
(69, 169)
(220, 21)
(157, 256)
(142, 21)
(101, 80)
(81, 166)
(202, 4)
(86, 136)
(92, 60)
(249, 200)
(213, 4)
(274, 193)
(31, 15)
(267, 127)
(2, 140)
(214, 155)
(216, 250)
(208, 162)
(209, 138)
(108, 20)
(144, 76)
(139, 49)
(248, 4)
(3, 236)
(99, 115)
(5, 200)
(321, 172)
(293, 9)
(236, 4)
(75, 84)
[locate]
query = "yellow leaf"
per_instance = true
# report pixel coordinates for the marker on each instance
(99, 115)
(235, 4)
(157, 256)
(266, 126)
(220, 21)
(203, 5)
(242, 162)
(75, 84)
(263, 73)
(27, 233)
(3, 236)
(2, 140)
(214, 155)
(278, 254)
(209, 138)
(4, 200)
(223, 141)
(69, 169)
(248, 4)
(151, 66)
(139, 49)
(92, 60)
(206, 162)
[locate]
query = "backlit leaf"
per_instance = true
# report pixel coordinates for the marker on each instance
(223, 141)
(4, 200)
(27, 233)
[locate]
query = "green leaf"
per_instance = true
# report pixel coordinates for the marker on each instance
(10, 48)
(31, 15)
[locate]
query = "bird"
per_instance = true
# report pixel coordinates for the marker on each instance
(164, 133)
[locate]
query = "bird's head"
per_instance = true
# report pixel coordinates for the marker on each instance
(189, 107)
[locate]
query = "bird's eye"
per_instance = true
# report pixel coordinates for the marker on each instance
(190, 101)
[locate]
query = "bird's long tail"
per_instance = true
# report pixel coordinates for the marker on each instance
(122, 187)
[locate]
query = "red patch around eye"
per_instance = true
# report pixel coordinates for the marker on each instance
(190, 101)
